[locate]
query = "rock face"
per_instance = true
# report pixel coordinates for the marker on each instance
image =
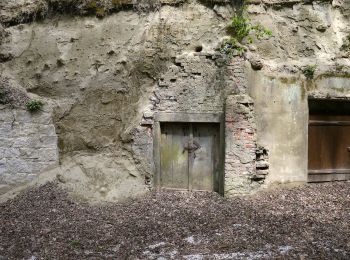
(101, 77)
(105, 68)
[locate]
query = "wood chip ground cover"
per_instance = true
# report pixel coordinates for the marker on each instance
(310, 222)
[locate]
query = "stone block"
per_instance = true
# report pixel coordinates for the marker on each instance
(16, 165)
(38, 117)
(262, 165)
(6, 129)
(6, 142)
(9, 152)
(262, 173)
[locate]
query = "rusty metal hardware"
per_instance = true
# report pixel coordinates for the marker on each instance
(192, 147)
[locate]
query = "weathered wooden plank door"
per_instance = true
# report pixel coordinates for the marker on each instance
(174, 158)
(190, 156)
(329, 148)
(204, 160)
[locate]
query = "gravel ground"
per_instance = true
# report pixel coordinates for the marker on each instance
(310, 222)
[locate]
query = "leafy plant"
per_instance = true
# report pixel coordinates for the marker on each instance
(75, 243)
(231, 47)
(242, 30)
(239, 28)
(309, 71)
(34, 105)
(261, 31)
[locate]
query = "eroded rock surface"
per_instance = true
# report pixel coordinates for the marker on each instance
(99, 77)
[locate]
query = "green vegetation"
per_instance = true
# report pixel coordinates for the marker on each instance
(231, 46)
(335, 74)
(309, 71)
(241, 32)
(117, 3)
(34, 105)
(75, 243)
(241, 27)
(97, 9)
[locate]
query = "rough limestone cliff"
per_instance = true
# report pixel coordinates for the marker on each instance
(102, 68)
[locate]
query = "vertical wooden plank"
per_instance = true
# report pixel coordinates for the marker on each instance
(328, 147)
(203, 169)
(190, 158)
(180, 156)
(174, 158)
(329, 139)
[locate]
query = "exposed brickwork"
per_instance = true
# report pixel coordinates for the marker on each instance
(203, 83)
(193, 84)
(262, 164)
(245, 163)
(240, 135)
(236, 76)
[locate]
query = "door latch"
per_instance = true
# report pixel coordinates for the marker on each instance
(192, 147)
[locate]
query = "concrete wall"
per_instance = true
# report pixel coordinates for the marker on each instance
(282, 120)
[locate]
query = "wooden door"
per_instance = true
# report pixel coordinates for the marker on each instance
(329, 147)
(189, 156)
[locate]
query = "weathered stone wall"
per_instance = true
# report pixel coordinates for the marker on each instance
(194, 83)
(28, 145)
(202, 82)
(105, 78)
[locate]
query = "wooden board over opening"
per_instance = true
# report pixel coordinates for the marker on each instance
(329, 141)
(189, 156)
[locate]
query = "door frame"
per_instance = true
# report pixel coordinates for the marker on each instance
(163, 117)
